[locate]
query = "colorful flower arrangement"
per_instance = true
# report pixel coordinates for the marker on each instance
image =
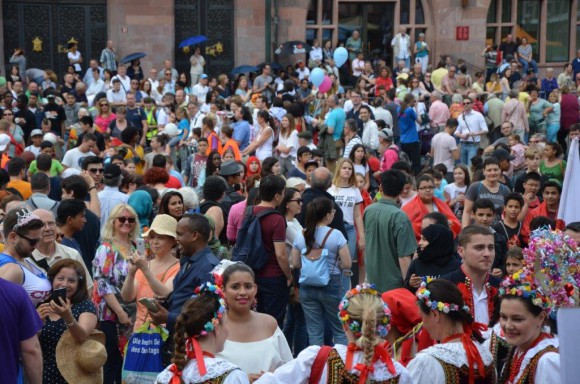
(356, 326)
(553, 258)
(424, 295)
(212, 290)
(523, 284)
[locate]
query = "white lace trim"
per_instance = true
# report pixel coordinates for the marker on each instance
(454, 353)
(215, 367)
(534, 351)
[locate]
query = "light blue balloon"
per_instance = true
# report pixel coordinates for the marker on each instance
(340, 56)
(317, 76)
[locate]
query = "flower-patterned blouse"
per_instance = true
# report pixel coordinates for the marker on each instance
(110, 268)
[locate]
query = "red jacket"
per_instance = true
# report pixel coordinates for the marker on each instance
(416, 210)
(541, 210)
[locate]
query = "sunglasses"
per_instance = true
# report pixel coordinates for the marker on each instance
(104, 105)
(32, 242)
(123, 220)
(96, 170)
(466, 103)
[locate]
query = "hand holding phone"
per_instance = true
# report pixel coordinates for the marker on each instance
(141, 246)
(149, 303)
(58, 293)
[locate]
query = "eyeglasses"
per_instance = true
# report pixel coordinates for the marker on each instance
(299, 201)
(32, 242)
(467, 103)
(96, 170)
(123, 220)
(426, 188)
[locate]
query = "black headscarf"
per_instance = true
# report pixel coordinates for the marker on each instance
(441, 246)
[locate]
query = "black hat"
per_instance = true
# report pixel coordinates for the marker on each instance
(112, 171)
(502, 154)
(230, 168)
(307, 135)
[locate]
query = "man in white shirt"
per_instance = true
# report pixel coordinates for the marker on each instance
(471, 128)
(73, 158)
(88, 77)
(358, 65)
(153, 78)
(401, 44)
(302, 71)
(110, 196)
(382, 113)
(116, 95)
(196, 116)
(370, 135)
(122, 76)
(444, 148)
(201, 89)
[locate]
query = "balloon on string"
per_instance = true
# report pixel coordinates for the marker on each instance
(340, 56)
(317, 76)
(326, 85)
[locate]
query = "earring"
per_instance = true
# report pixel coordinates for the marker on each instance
(254, 306)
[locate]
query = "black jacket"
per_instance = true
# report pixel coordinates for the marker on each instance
(311, 194)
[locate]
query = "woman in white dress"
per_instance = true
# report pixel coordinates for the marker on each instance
(255, 343)
(459, 357)
(365, 318)
(533, 355)
(199, 334)
(197, 65)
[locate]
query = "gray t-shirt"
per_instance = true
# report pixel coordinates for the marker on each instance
(261, 81)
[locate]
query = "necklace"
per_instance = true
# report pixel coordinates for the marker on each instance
(519, 358)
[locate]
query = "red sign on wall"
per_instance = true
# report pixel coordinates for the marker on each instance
(462, 33)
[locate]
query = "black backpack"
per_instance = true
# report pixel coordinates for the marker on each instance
(249, 247)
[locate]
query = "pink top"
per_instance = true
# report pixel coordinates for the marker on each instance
(390, 157)
(235, 220)
(439, 112)
(103, 122)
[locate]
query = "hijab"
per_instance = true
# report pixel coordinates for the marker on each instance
(141, 202)
(441, 246)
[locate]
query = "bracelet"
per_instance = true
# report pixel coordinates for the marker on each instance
(68, 325)
(91, 188)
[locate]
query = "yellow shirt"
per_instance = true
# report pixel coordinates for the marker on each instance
(437, 76)
(21, 186)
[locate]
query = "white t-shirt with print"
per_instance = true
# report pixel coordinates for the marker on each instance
(346, 198)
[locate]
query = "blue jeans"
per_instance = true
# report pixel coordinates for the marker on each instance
(468, 150)
(552, 132)
(295, 328)
(323, 300)
(527, 65)
(351, 232)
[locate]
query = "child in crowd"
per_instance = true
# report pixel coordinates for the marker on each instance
(56, 167)
(511, 226)
(440, 183)
(533, 157)
(226, 135)
(358, 155)
(195, 164)
(454, 193)
(514, 260)
(532, 184)
(305, 140)
(518, 150)
(35, 139)
(483, 214)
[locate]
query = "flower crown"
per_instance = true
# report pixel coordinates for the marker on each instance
(424, 295)
(523, 284)
(356, 326)
(24, 216)
(215, 291)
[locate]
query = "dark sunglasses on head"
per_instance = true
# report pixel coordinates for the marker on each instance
(123, 220)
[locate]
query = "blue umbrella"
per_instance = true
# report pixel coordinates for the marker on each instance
(132, 56)
(243, 69)
(193, 40)
(275, 66)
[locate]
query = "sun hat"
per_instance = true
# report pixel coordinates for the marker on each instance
(81, 362)
(163, 225)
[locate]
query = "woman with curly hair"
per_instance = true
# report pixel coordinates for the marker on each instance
(199, 335)
(156, 177)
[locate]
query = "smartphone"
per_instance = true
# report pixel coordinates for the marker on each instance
(141, 246)
(149, 303)
(56, 293)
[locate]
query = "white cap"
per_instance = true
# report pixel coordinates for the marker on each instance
(171, 130)
(4, 141)
(49, 136)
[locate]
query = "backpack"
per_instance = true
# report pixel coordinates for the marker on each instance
(314, 271)
(402, 155)
(249, 247)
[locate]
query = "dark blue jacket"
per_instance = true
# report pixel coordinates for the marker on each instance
(195, 270)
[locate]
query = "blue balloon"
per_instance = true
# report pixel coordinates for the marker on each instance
(317, 76)
(340, 56)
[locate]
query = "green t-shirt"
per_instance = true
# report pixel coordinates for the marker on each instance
(388, 237)
(55, 168)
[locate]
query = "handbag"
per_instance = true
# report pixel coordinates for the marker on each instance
(314, 270)
(143, 361)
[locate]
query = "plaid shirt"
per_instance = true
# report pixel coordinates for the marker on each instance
(108, 59)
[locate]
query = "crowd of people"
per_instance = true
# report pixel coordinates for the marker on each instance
(259, 221)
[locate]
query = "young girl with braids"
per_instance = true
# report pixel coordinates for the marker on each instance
(199, 334)
(365, 318)
(459, 357)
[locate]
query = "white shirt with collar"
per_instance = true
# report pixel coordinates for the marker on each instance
(200, 91)
(125, 82)
(480, 306)
(370, 135)
(62, 252)
(472, 122)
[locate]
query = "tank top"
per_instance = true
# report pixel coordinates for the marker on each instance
(35, 282)
(265, 150)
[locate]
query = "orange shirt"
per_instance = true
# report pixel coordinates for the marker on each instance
(213, 144)
(21, 186)
(231, 143)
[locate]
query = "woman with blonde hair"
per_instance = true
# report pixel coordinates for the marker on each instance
(110, 268)
(287, 143)
(348, 197)
(366, 320)
(105, 115)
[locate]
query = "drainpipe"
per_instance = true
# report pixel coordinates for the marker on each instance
(276, 22)
(268, 30)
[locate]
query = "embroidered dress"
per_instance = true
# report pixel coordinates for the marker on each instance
(540, 364)
(447, 364)
(219, 371)
(298, 370)
(497, 345)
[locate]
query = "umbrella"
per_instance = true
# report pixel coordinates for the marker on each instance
(243, 69)
(193, 40)
(132, 56)
(294, 47)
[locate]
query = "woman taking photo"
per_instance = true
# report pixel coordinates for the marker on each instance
(317, 300)
(110, 268)
(171, 204)
(262, 144)
(424, 203)
(150, 278)
(104, 115)
(345, 191)
(76, 313)
(552, 166)
(524, 310)
(254, 342)
(287, 143)
(410, 143)
(200, 334)
(365, 319)
(447, 319)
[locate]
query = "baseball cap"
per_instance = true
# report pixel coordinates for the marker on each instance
(36, 132)
(502, 154)
(386, 133)
(112, 170)
(4, 141)
(203, 76)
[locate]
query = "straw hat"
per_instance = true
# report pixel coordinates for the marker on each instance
(163, 225)
(81, 362)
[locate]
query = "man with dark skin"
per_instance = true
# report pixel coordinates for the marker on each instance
(24, 117)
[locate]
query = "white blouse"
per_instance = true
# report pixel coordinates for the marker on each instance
(298, 370)
(215, 368)
(548, 368)
(290, 141)
(425, 368)
(255, 357)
